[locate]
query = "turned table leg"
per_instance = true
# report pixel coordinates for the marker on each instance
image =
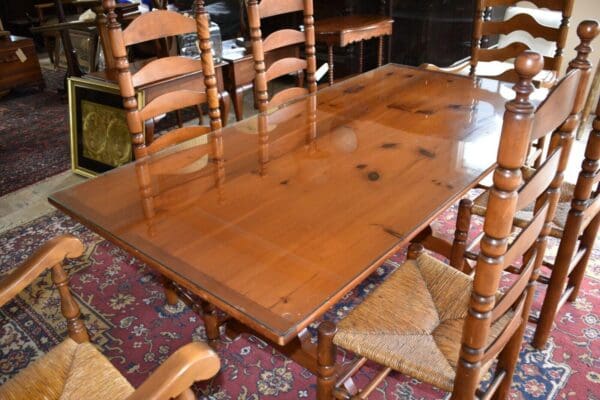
(380, 52)
(211, 321)
(170, 293)
(330, 54)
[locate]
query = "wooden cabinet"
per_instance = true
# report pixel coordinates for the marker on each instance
(19, 65)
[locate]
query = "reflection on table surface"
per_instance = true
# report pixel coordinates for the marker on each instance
(308, 199)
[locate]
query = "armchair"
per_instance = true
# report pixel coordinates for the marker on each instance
(75, 369)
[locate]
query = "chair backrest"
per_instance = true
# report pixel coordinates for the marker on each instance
(279, 39)
(508, 195)
(161, 178)
(521, 19)
(152, 26)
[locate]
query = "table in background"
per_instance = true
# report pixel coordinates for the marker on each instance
(340, 181)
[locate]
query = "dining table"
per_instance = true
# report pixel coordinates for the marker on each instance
(298, 205)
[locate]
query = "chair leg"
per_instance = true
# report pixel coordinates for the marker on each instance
(70, 309)
(461, 234)
(588, 239)
(330, 61)
(558, 280)
(509, 356)
(326, 354)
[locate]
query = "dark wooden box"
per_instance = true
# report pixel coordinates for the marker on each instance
(19, 71)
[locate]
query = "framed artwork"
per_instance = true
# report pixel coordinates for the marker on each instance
(100, 139)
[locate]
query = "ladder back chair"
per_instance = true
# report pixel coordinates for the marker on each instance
(577, 241)
(565, 195)
(75, 369)
(440, 325)
(521, 19)
(152, 26)
(278, 39)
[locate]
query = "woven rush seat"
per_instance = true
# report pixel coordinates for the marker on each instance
(413, 322)
(522, 217)
(70, 371)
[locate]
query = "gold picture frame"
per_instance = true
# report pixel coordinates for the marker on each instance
(100, 139)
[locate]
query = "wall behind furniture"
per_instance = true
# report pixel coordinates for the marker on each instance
(582, 10)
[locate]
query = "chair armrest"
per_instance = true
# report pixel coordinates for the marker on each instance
(193, 362)
(52, 253)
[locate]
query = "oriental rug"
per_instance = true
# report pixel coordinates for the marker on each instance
(123, 304)
(34, 134)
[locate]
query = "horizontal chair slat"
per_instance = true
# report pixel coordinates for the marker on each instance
(521, 22)
(539, 181)
(165, 68)
(152, 26)
(283, 38)
(554, 5)
(555, 109)
(270, 8)
(285, 66)
(172, 101)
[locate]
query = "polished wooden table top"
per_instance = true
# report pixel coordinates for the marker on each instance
(342, 181)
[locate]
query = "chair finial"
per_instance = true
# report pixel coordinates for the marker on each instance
(587, 32)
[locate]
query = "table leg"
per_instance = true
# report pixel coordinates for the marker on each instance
(170, 293)
(238, 102)
(330, 54)
(380, 52)
(361, 56)
(224, 105)
(211, 321)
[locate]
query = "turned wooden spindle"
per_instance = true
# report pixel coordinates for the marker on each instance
(476, 39)
(583, 192)
(68, 306)
(310, 49)
(260, 80)
(119, 52)
(326, 354)
(563, 32)
(212, 91)
(512, 152)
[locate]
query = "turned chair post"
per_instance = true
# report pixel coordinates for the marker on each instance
(68, 305)
(130, 104)
(560, 278)
(563, 138)
(512, 152)
(326, 355)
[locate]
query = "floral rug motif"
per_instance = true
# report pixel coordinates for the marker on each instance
(123, 306)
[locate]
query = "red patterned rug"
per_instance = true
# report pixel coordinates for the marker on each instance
(124, 307)
(34, 134)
